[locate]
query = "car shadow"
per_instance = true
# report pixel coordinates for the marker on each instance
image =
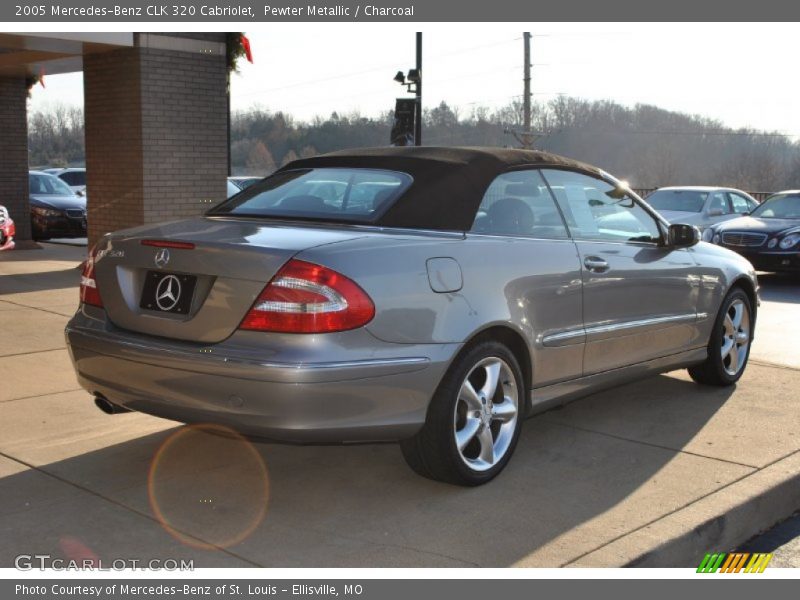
(57, 279)
(581, 475)
(780, 287)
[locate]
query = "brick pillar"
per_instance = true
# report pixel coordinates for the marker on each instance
(14, 154)
(156, 130)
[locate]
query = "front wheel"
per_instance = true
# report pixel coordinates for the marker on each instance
(729, 348)
(474, 419)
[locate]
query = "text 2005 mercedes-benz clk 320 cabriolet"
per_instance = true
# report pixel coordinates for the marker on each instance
(431, 296)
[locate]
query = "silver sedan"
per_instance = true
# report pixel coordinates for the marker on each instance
(430, 296)
(701, 206)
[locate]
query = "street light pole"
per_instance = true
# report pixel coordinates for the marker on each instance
(418, 123)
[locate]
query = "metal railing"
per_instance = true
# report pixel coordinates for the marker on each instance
(645, 192)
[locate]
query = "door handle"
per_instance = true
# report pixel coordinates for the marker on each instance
(595, 264)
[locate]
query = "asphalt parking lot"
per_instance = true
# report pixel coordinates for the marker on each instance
(629, 475)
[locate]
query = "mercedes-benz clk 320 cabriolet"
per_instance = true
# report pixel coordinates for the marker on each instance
(430, 296)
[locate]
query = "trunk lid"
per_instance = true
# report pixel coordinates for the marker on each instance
(222, 274)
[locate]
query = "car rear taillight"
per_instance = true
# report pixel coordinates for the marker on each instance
(89, 292)
(308, 298)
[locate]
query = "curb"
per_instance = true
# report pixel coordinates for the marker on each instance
(720, 521)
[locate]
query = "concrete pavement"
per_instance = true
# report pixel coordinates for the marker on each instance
(630, 475)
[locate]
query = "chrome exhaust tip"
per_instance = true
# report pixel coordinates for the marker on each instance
(107, 407)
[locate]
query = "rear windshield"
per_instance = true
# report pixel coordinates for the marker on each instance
(677, 200)
(74, 178)
(327, 194)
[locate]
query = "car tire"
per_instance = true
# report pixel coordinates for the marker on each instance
(731, 338)
(472, 426)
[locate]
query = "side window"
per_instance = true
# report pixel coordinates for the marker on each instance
(596, 210)
(35, 185)
(740, 204)
(519, 204)
(73, 178)
(719, 203)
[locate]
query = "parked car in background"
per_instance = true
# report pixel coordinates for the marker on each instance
(56, 211)
(244, 182)
(700, 206)
(7, 230)
(74, 177)
(769, 237)
(440, 324)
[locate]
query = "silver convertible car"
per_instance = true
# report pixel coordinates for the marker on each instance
(430, 296)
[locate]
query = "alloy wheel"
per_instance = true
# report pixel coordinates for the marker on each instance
(735, 337)
(486, 414)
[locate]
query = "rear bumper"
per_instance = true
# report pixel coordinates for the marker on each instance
(381, 395)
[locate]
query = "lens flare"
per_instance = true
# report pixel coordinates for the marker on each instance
(208, 486)
(75, 549)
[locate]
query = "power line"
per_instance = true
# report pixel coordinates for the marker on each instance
(695, 133)
(315, 81)
(371, 70)
(473, 74)
(473, 48)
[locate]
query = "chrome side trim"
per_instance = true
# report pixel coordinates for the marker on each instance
(605, 330)
(600, 331)
(348, 364)
(564, 338)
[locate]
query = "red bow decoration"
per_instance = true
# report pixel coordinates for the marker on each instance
(247, 52)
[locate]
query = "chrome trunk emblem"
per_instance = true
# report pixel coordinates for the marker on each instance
(162, 258)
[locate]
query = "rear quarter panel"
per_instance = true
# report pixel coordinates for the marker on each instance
(530, 286)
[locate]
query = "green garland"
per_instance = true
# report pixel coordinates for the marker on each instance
(234, 50)
(30, 81)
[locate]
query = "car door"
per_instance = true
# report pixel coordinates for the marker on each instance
(520, 244)
(639, 296)
(718, 208)
(741, 205)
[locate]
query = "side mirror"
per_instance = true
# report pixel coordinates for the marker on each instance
(681, 235)
(715, 212)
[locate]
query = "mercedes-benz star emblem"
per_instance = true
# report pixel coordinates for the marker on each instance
(168, 292)
(162, 258)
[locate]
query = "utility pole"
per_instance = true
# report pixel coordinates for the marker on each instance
(526, 138)
(527, 93)
(418, 123)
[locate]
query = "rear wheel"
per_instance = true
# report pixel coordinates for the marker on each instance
(474, 419)
(729, 348)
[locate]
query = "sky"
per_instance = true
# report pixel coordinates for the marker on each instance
(741, 74)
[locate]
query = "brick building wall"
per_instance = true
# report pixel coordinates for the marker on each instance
(14, 153)
(156, 131)
(113, 125)
(184, 115)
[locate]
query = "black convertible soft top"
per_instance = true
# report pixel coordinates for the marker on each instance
(449, 183)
